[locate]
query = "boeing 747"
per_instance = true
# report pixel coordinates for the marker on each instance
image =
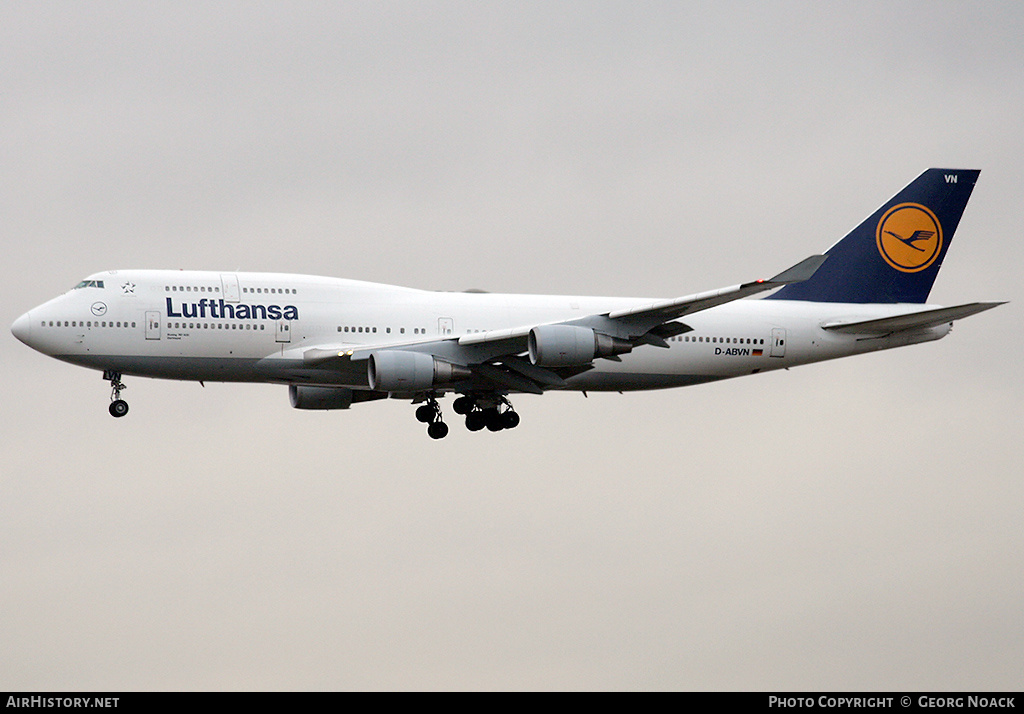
(337, 342)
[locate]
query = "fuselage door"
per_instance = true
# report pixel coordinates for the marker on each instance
(152, 325)
(229, 282)
(445, 326)
(284, 331)
(778, 342)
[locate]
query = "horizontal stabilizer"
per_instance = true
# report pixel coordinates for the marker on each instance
(911, 321)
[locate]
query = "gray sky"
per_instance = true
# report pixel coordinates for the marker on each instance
(848, 525)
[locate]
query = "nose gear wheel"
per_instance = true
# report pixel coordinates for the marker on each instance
(118, 407)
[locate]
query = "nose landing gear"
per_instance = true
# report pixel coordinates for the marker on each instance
(118, 407)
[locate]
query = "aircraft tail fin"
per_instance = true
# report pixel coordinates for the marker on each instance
(894, 255)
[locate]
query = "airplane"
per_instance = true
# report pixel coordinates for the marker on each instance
(337, 342)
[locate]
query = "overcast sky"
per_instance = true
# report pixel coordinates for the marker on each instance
(847, 525)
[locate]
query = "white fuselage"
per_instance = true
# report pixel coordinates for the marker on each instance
(256, 327)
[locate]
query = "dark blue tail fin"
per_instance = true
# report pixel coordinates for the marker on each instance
(895, 254)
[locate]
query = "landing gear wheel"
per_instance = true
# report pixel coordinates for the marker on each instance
(426, 413)
(475, 421)
(492, 419)
(509, 419)
(118, 408)
(437, 430)
(463, 405)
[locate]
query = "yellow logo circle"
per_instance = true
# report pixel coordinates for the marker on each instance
(909, 237)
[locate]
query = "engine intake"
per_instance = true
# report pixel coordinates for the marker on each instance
(401, 371)
(570, 345)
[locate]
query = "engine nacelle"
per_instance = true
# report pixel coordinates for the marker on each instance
(570, 345)
(304, 397)
(402, 371)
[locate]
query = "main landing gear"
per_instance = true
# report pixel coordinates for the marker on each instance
(118, 406)
(495, 413)
(491, 412)
(430, 414)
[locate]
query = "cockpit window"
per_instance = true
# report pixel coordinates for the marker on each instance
(89, 284)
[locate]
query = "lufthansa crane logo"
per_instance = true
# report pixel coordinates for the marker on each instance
(909, 237)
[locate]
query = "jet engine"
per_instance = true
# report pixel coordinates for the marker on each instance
(305, 397)
(401, 371)
(570, 345)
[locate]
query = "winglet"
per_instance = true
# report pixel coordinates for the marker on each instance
(800, 272)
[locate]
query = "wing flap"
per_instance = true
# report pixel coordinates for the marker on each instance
(505, 378)
(533, 372)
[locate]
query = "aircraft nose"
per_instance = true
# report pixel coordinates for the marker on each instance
(22, 328)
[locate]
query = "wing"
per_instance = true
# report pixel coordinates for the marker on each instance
(495, 360)
(637, 323)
